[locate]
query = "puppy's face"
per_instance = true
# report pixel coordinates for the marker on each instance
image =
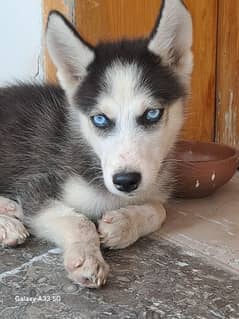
(128, 96)
(132, 117)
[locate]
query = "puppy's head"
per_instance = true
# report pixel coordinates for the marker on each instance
(127, 96)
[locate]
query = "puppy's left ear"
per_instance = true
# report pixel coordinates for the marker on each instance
(171, 38)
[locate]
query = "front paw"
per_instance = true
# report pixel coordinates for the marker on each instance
(117, 229)
(85, 266)
(10, 207)
(12, 231)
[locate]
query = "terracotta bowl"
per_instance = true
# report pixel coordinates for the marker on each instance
(202, 168)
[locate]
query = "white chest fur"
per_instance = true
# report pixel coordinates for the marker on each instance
(89, 200)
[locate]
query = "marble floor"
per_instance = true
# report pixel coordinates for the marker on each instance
(189, 269)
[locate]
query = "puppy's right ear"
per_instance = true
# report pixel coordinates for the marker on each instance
(69, 52)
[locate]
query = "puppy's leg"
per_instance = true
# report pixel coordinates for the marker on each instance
(78, 238)
(10, 207)
(121, 228)
(12, 231)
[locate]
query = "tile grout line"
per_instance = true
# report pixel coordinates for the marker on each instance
(28, 263)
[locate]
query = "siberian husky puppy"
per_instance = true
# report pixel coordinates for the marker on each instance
(86, 162)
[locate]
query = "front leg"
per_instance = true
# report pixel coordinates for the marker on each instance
(121, 228)
(78, 238)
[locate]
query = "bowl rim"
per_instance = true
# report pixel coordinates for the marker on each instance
(234, 156)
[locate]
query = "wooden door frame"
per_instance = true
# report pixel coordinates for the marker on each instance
(227, 86)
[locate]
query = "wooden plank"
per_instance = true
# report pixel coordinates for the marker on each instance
(114, 19)
(201, 110)
(66, 7)
(227, 119)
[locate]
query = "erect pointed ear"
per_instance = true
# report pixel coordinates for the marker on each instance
(69, 52)
(171, 38)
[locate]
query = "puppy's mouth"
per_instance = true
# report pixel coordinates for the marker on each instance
(125, 195)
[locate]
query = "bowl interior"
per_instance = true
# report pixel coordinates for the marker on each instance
(190, 151)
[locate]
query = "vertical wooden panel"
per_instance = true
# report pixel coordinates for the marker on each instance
(107, 19)
(201, 110)
(227, 128)
(66, 7)
(112, 19)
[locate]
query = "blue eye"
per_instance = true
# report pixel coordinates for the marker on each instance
(101, 121)
(153, 114)
(150, 117)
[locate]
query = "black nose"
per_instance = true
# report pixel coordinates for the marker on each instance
(127, 182)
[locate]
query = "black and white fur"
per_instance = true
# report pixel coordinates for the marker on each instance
(56, 168)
